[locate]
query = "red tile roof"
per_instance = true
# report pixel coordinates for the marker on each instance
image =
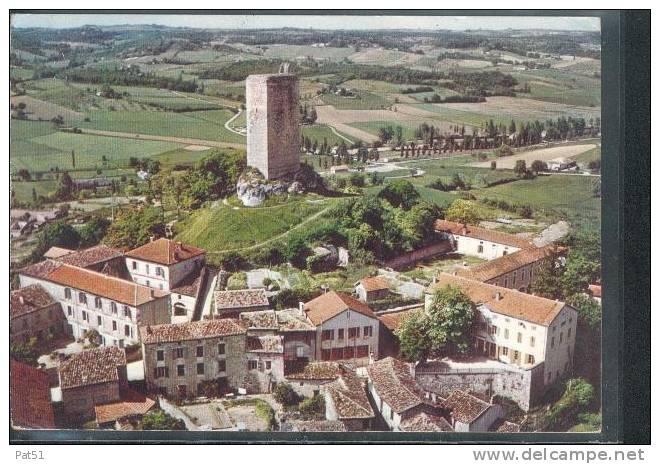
(29, 299)
(511, 303)
(96, 283)
(328, 305)
(319, 370)
(503, 426)
(191, 331)
(395, 385)
(392, 320)
(372, 284)
(349, 396)
(464, 407)
(266, 344)
(595, 290)
(284, 320)
(507, 263)
(190, 285)
(90, 256)
(91, 367)
(424, 422)
(29, 397)
(165, 251)
(238, 299)
(467, 230)
(57, 252)
(41, 269)
(132, 404)
(313, 426)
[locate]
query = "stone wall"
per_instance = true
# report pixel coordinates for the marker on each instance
(273, 136)
(524, 386)
(412, 257)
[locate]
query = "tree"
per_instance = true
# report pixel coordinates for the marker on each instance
(400, 193)
(414, 344)
(160, 420)
(134, 227)
(578, 273)
(452, 315)
(312, 408)
(297, 251)
(286, 395)
(65, 187)
(418, 224)
(493, 165)
(59, 234)
(539, 166)
(563, 414)
(93, 231)
(520, 168)
(24, 174)
(462, 211)
(547, 279)
(25, 352)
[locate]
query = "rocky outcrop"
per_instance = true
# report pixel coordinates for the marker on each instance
(252, 189)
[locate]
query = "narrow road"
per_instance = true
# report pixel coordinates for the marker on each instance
(163, 138)
(230, 120)
(334, 131)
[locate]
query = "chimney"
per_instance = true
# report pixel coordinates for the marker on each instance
(301, 308)
(498, 296)
(152, 238)
(21, 299)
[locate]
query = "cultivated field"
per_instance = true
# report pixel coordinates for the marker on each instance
(542, 154)
(39, 110)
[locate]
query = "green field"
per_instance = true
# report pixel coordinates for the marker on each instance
(224, 228)
(205, 125)
(37, 146)
(319, 132)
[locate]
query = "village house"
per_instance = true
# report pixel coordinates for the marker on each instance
(479, 242)
(92, 300)
(90, 378)
(308, 380)
(517, 328)
(57, 252)
(371, 289)
(346, 401)
(164, 263)
(397, 397)
(516, 270)
(297, 332)
(99, 258)
(230, 303)
(346, 328)
(189, 295)
(390, 321)
(34, 313)
(29, 397)
(471, 414)
(178, 358)
(265, 363)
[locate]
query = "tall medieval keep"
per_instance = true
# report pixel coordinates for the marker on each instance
(272, 124)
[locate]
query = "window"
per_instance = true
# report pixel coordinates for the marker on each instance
(480, 248)
(159, 271)
(530, 359)
(113, 307)
(127, 331)
(67, 293)
(353, 332)
(561, 337)
(160, 355)
(127, 312)
(221, 348)
(268, 365)
(519, 337)
(200, 368)
(522, 274)
(514, 278)
(82, 298)
(134, 265)
(505, 351)
(99, 321)
(181, 370)
(367, 331)
(532, 341)
(568, 334)
(252, 364)
(552, 342)
(178, 352)
(114, 325)
(84, 314)
(492, 329)
(506, 333)
(162, 372)
(200, 351)
(325, 355)
(148, 284)
(222, 365)
(504, 253)
(328, 335)
(97, 302)
(340, 334)
(549, 376)
(69, 311)
(516, 355)
(506, 282)
(146, 267)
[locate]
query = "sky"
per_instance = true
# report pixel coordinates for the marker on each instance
(316, 22)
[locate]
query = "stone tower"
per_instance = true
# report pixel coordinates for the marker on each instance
(273, 139)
